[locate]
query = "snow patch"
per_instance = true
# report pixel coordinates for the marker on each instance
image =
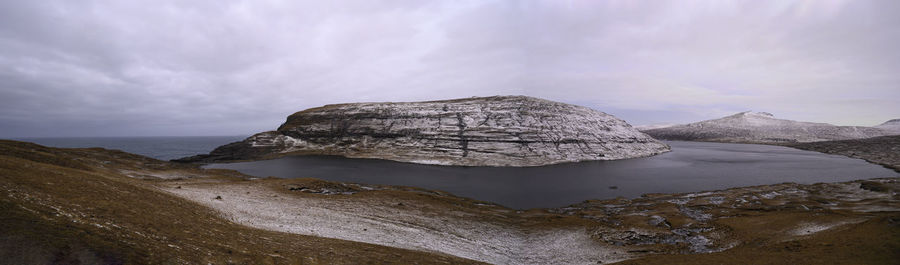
(408, 229)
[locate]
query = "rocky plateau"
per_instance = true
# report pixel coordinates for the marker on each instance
(486, 131)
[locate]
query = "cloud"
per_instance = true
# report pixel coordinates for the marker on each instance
(237, 67)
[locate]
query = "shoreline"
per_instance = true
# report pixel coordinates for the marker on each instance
(442, 226)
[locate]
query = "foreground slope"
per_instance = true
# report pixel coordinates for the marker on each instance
(489, 131)
(109, 207)
(762, 127)
(87, 206)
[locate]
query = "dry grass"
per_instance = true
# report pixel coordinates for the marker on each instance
(72, 205)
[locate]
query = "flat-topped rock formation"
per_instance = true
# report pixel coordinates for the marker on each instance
(487, 131)
(762, 127)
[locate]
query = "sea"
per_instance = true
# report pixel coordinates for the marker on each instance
(159, 147)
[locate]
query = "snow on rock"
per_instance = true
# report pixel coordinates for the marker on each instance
(762, 127)
(487, 131)
(892, 126)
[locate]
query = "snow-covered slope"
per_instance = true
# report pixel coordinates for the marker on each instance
(489, 131)
(762, 127)
(892, 126)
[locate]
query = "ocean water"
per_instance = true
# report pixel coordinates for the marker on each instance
(162, 148)
(690, 167)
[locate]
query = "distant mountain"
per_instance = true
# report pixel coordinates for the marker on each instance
(763, 127)
(892, 125)
(653, 126)
(489, 131)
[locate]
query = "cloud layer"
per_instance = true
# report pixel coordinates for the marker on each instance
(83, 68)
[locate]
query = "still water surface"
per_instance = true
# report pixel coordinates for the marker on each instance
(690, 167)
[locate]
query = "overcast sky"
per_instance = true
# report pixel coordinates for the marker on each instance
(144, 68)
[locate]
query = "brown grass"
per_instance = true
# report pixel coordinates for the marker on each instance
(73, 205)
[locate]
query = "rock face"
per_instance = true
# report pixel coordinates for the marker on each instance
(762, 127)
(489, 131)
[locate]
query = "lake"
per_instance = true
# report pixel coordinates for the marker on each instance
(690, 167)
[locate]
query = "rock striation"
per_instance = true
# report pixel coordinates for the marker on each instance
(485, 131)
(762, 127)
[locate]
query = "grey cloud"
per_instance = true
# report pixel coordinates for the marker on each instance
(236, 67)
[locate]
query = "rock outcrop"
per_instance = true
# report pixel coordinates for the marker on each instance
(488, 131)
(762, 127)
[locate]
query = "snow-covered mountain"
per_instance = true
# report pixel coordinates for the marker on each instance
(489, 131)
(892, 125)
(762, 127)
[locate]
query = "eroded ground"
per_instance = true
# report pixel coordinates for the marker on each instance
(154, 211)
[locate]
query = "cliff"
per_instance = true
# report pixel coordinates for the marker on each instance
(762, 127)
(488, 131)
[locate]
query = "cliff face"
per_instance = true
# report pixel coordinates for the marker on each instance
(489, 131)
(762, 127)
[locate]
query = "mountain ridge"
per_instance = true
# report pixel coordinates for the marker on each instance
(763, 127)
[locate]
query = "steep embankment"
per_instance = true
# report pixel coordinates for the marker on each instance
(490, 131)
(762, 127)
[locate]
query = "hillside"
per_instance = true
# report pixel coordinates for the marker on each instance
(762, 127)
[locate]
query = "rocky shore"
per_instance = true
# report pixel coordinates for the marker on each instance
(101, 206)
(488, 131)
(879, 150)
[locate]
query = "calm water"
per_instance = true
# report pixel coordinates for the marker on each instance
(163, 148)
(690, 167)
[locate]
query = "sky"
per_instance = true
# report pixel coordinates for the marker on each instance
(219, 67)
